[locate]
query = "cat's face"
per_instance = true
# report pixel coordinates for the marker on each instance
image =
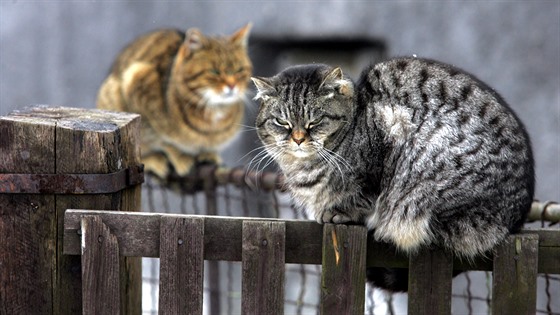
(217, 69)
(302, 111)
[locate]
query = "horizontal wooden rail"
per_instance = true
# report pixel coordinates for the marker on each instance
(182, 266)
(138, 235)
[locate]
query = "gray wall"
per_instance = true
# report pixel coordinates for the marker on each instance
(58, 52)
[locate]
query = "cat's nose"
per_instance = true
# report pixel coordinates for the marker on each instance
(229, 89)
(298, 136)
(298, 141)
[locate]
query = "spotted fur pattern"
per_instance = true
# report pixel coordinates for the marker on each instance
(420, 152)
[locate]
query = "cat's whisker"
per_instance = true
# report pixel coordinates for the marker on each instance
(331, 160)
(262, 148)
(247, 128)
(262, 156)
(339, 158)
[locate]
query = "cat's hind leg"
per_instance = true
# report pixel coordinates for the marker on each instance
(400, 224)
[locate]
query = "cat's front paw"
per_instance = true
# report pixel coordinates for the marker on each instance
(209, 158)
(333, 216)
(157, 165)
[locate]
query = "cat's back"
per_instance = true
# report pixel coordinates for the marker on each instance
(450, 136)
(415, 96)
(157, 47)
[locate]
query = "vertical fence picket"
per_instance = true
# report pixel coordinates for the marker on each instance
(263, 260)
(344, 269)
(181, 265)
(514, 279)
(429, 282)
(100, 268)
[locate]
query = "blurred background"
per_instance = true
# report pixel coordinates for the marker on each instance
(58, 52)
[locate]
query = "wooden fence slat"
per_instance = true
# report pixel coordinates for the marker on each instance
(100, 268)
(429, 282)
(181, 265)
(344, 269)
(263, 262)
(514, 279)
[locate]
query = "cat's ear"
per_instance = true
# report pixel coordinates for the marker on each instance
(194, 39)
(334, 80)
(265, 88)
(241, 37)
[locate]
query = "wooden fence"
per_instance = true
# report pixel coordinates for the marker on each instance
(54, 158)
(264, 246)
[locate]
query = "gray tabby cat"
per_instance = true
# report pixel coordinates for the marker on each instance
(420, 152)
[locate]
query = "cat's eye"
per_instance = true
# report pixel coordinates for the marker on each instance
(239, 70)
(215, 71)
(282, 123)
(314, 123)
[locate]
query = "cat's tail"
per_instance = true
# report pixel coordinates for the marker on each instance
(390, 279)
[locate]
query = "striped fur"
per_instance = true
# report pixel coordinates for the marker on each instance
(420, 152)
(189, 90)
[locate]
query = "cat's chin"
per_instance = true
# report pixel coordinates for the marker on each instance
(300, 154)
(222, 99)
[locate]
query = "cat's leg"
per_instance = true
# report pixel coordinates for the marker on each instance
(182, 162)
(356, 215)
(209, 157)
(398, 219)
(336, 217)
(157, 164)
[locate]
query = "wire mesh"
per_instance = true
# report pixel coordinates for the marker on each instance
(237, 192)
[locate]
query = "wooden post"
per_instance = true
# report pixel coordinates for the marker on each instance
(181, 273)
(213, 267)
(100, 268)
(343, 278)
(59, 147)
(514, 279)
(429, 282)
(263, 261)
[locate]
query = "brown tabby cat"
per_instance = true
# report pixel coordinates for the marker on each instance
(189, 90)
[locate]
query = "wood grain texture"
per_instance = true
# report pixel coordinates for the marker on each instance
(514, 279)
(344, 269)
(263, 263)
(28, 232)
(429, 282)
(222, 240)
(100, 268)
(181, 265)
(60, 140)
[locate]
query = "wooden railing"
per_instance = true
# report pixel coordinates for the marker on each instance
(264, 246)
(56, 158)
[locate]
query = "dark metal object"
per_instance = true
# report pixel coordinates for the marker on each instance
(71, 184)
